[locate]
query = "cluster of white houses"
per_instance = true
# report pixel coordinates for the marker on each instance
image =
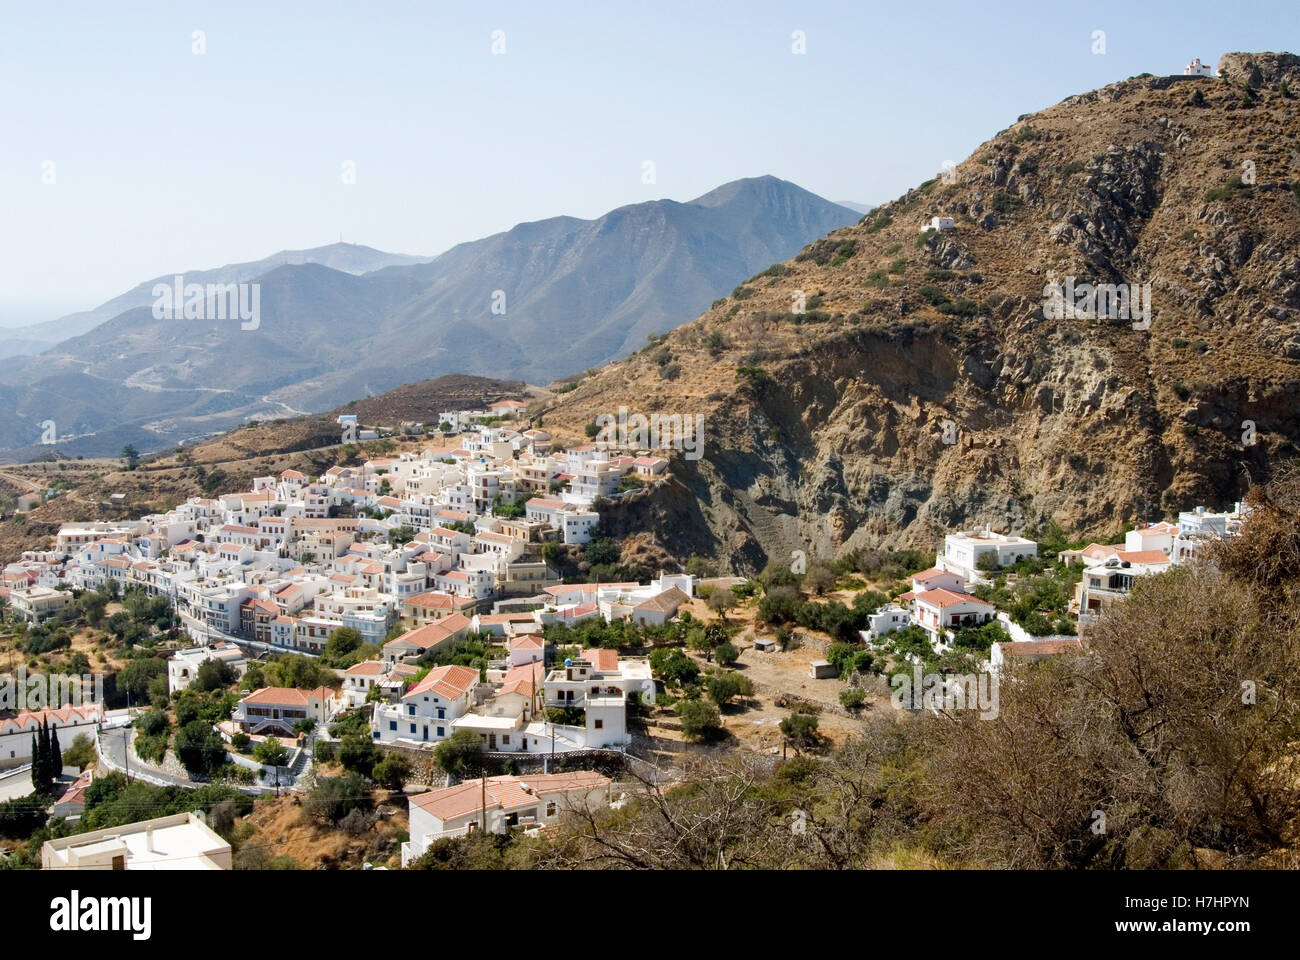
(294, 559)
(272, 566)
(940, 603)
(505, 703)
(185, 841)
(1109, 569)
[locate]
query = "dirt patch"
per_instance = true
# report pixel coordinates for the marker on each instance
(280, 830)
(754, 722)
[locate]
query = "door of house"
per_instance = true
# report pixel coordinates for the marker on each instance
(492, 741)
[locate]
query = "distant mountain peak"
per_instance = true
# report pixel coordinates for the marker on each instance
(340, 319)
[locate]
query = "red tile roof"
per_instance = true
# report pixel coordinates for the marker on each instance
(503, 793)
(601, 659)
(1143, 556)
(432, 634)
(280, 696)
(450, 682)
(948, 598)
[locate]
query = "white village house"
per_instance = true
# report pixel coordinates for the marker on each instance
(963, 552)
(498, 804)
(184, 664)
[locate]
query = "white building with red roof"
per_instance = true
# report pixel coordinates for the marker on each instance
(433, 605)
(1156, 536)
(598, 685)
(499, 804)
(16, 729)
(507, 408)
(425, 712)
(939, 611)
(275, 710)
(1111, 579)
(432, 636)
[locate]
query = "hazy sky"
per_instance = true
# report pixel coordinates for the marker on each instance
(165, 159)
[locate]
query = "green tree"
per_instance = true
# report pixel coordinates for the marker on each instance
(358, 753)
(200, 748)
(602, 551)
(342, 642)
(152, 723)
(723, 688)
(853, 698)
(131, 455)
(296, 670)
(461, 753)
(673, 666)
(800, 730)
(82, 752)
(135, 677)
(213, 674)
(333, 798)
(720, 601)
(392, 771)
(271, 753)
(92, 604)
(41, 785)
(700, 719)
(819, 579)
(726, 654)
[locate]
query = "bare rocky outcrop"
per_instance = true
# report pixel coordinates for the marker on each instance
(926, 388)
(1258, 69)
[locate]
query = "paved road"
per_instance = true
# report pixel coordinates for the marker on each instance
(113, 743)
(15, 785)
(16, 480)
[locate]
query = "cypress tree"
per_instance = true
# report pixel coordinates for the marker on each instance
(36, 760)
(47, 757)
(56, 754)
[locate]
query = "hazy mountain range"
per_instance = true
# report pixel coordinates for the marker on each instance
(540, 301)
(347, 257)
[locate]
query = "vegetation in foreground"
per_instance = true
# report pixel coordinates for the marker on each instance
(1169, 744)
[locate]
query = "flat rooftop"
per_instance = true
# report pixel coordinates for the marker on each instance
(183, 844)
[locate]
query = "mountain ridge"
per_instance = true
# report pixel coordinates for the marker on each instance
(346, 257)
(827, 429)
(574, 293)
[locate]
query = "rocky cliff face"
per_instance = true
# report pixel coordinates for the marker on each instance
(925, 386)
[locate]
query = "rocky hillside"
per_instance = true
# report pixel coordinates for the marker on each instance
(826, 429)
